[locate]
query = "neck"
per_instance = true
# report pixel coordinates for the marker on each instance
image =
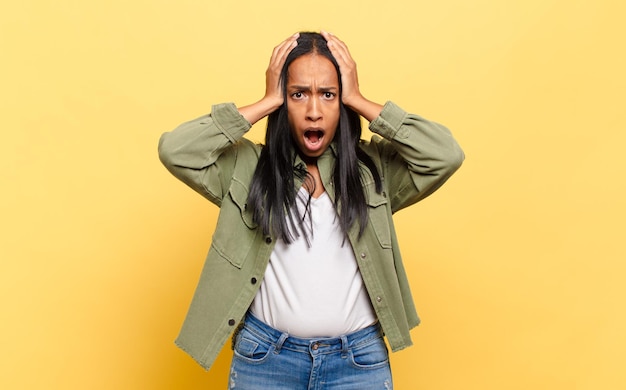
(309, 160)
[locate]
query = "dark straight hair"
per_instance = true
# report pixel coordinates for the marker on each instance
(272, 193)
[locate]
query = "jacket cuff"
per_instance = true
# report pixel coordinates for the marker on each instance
(389, 121)
(229, 121)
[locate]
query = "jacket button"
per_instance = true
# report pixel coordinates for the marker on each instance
(378, 299)
(363, 255)
(268, 240)
(253, 280)
(231, 322)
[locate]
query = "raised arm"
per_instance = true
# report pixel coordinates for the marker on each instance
(273, 97)
(418, 155)
(202, 152)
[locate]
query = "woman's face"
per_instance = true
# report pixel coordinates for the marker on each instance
(312, 103)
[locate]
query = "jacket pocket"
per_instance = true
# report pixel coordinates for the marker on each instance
(235, 231)
(378, 215)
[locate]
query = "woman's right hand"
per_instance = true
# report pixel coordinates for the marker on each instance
(273, 97)
(273, 91)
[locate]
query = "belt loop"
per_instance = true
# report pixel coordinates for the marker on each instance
(280, 342)
(344, 347)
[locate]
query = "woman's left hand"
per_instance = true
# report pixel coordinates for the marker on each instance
(347, 66)
(350, 94)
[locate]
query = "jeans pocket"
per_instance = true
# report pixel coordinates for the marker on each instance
(371, 355)
(250, 348)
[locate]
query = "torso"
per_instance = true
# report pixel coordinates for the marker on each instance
(314, 288)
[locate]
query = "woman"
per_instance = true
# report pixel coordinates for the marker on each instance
(304, 263)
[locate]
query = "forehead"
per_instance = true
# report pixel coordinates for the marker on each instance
(312, 69)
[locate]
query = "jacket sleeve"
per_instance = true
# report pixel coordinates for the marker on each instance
(202, 152)
(417, 155)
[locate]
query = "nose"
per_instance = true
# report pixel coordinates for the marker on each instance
(313, 111)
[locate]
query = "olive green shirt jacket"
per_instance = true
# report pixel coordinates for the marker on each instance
(414, 157)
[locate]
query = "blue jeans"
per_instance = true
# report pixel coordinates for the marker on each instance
(266, 358)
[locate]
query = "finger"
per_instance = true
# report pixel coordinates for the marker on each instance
(277, 61)
(285, 46)
(280, 52)
(338, 48)
(334, 41)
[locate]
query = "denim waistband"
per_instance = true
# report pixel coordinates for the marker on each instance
(319, 345)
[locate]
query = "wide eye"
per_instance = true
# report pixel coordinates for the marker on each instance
(297, 95)
(329, 95)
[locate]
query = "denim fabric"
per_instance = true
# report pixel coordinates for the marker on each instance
(266, 358)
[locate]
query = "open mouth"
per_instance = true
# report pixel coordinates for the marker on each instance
(313, 136)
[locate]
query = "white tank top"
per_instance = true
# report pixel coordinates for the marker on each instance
(316, 290)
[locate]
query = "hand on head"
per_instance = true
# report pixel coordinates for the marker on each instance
(347, 66)
(350, 95)
(273, 89)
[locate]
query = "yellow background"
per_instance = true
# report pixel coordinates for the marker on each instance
(517, 264)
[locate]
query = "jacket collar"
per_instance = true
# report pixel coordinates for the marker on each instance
(325, 164)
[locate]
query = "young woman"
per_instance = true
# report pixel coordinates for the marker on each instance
(304, 266)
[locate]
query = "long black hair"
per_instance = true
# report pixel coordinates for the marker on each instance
(272, 194)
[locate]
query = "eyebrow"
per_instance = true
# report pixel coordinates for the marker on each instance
(308, 88)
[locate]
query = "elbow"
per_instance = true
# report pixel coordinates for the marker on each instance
(458, 156)
(453, 159)
(164, 151)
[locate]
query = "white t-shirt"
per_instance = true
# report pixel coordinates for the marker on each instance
(316, 290)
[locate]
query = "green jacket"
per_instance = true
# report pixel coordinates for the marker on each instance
(414, 157)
